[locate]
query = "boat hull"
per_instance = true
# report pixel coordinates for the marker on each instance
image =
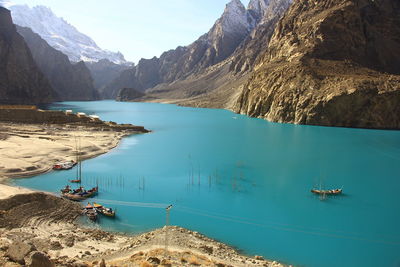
(327, 192)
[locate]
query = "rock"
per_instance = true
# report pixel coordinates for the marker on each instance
(79, 264)
(153, 260)
(258, 257)
(88, 253)
(102, 263)
(69, 241)
(55, 245)
(207, 249)
(39, 259)
(18, 250)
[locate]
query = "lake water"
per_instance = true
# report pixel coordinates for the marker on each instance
(247, 182)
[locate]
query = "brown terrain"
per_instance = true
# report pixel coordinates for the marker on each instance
(39, 229)
(332, 63)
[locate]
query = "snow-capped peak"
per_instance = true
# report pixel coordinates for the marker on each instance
(61, 35)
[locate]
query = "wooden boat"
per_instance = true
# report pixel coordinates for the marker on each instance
(327, 192)
(103, 210)
(64, 165)
(80, 194)
(67, 189)
(90, 212)
(73, 197)
(75, 181)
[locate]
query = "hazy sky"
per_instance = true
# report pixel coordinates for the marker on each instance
(138, 28)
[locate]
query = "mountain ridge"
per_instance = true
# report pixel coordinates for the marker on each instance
(61, 35)
(70, 81)
(211, 48)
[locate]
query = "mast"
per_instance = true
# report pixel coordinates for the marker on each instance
(80, 163)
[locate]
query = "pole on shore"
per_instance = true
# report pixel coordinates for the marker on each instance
(167, 209)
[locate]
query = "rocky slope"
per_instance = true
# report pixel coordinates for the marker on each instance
(61, 35)
(217, 86)
(21, 81)
(70, 81)
(331, 62)
(104, 71)
(219, 43)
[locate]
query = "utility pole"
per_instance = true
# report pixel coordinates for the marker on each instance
(167, 209)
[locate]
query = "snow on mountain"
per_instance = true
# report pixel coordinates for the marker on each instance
(61, 35)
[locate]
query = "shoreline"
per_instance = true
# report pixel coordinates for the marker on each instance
(89, 246)
(48, 227)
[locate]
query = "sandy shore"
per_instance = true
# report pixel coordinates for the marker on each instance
(30, 149)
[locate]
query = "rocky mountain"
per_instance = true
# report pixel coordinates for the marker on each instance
(21, 81)
(61, 35)
(218, 44)
(128, 94)
(330, 62)
(218, 85)
(105, 71)
(70, 81)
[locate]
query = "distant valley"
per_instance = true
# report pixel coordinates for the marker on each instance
(296, 63)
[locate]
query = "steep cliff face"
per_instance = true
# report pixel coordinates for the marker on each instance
(21, 81)
(219, 43)
(331, 62)
(70, 81)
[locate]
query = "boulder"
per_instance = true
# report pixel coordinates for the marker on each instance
(39, 259)
(18, 250)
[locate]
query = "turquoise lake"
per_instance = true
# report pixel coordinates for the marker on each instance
(246, 182)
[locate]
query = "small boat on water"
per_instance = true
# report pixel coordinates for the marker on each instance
(326, 192)
(90, 212)
(104, 210)
(75, 181)
(80, 193)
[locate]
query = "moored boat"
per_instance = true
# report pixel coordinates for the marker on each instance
(66, 189)
(327, 192)
(104, 210)
(90, 212)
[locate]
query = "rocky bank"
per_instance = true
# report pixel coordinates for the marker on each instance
(332, 63)
(39, 229)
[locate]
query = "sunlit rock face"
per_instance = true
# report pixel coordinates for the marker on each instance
(334, 63)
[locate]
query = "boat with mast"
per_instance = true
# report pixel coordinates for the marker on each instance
(79, 161)
(80, 193)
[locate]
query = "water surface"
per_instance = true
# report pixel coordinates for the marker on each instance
(247, 182)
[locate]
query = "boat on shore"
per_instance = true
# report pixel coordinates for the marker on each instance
(66, 165)
(326, 192)
(109, 212)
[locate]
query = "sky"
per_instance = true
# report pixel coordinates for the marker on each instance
(138, 28)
